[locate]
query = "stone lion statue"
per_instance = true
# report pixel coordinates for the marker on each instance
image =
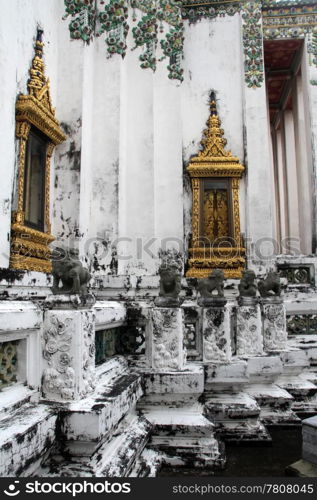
(271, 285)
(170, 280)
(70, 272)
(215, 281)
(247, 286)
(170, 285)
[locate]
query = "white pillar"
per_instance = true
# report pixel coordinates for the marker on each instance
(304, 168)
(259, 203)
(168, 165)
(136, 177)
(291, 169)
(282, 189)
(309, 76)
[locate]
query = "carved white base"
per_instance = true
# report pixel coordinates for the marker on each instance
(274, 324)
(216, 334)
(166, 339)
(249, 330)
(69, 354)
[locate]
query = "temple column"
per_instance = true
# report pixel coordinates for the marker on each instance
(291, 173)
(136, 176)
(259, 209)
(280, 158)
(309, 87)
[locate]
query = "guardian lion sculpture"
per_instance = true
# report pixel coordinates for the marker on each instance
(71, 273)
(170, 285)
(247, 286)
(215, 281)
(270, 286)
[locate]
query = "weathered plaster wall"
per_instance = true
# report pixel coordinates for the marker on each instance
(168, 170)
(102, 230)
(136, 181)
(66, 175)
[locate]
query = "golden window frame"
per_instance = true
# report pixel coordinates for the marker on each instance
(215, 162)
(30, 247)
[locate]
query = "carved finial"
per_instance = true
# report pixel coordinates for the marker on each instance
(213, 104)
(213, 143)
(39, 36)
(38, 84)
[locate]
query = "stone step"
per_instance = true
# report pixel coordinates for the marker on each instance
(304, 393)
(189, 381)
(185, 421)
(86, 424)
(148, 464)
(226, 407)
(270, 396)
(299, 387)
(13, 398)
(26, 436)
(308, 344)
(120, 456)
(236, 417)
(246, 431)
(271, 416)
(294, 361)
(183, 432)
(226, 377)
(264, 369)
(194, 452)
(307, 406)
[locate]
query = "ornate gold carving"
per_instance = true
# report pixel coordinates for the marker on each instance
(215, 212)
(196, 209)
(29, 247)
(236, 210)
(213, 207)
(36, 107)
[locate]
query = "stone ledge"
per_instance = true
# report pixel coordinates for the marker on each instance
(26, 436)
(231, 376)
(109, 314)
(263, 369)
(148, 464)
(117, 457)
(19, 316)
(270, 395)
(231, 407)
(86, 423)
(189, 381)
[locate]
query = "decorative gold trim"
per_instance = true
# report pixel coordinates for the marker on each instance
(214, 160)
(195, 272)
(211, 162)
(202, 260)
(29, 247)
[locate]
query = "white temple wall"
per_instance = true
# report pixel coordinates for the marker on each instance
(100, 202)
(168, 167)
(136, 176)
(65, 185)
